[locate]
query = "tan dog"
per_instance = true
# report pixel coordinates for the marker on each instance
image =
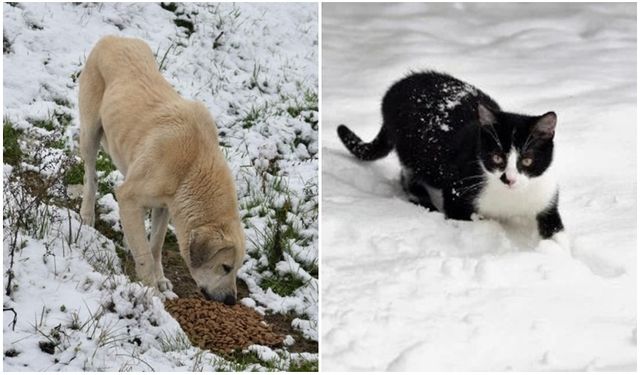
(167, 149)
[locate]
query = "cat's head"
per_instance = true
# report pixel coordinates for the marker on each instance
(514, 148)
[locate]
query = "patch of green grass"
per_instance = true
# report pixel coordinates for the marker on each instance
(275, 239)
(46, 124)
(62, 101)
(104, 163)
(75, 174)
(253, 115)
(304, 366)
(283, 285)
(240, 360)
(57, 121)
(63, 118)
(11, 152)
(104, 187)
(309, 103)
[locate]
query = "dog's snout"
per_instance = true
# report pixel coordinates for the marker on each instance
(230, 300)
(227, 299)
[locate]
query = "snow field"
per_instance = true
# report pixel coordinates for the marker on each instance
(255, 68)
(405, 289)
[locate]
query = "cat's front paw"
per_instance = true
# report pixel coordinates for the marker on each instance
(562, 239)
(558, 244)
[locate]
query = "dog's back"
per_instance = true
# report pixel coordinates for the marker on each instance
(118, 58)
(121, 89)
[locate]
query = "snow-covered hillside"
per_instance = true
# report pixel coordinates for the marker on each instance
(404, 288)
(255, 68)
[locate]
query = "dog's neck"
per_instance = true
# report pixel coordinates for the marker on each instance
(204, 199)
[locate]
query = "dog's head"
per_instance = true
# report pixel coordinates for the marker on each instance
(215, 255)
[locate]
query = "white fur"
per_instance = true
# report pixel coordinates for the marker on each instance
(562, 239)
(527, 197)
(512, 169)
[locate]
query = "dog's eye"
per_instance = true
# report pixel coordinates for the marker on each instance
(496, 158)
(527, 161)
(226, 268)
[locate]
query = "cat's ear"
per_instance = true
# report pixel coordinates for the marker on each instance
(545, 127)
(485, 116)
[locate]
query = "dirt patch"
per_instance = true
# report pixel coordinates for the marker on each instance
(219, 328)
(177, 272)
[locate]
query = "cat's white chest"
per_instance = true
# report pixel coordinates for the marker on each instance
(496, 200)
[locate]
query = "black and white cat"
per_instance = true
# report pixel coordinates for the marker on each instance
(462, 155)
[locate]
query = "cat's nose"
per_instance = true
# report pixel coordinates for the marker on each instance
(506, 180)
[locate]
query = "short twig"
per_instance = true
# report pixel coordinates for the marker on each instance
(15, 317)
(215, 41)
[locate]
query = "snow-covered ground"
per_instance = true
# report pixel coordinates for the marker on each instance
(404, 288)
(255, 67)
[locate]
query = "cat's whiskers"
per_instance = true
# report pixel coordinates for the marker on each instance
(475, 176)
(469, 188)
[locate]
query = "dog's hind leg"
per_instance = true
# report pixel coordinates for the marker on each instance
(90, 99)
(89, 143)
(159, 222)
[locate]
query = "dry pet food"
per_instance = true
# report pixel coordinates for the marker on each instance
(220, 328)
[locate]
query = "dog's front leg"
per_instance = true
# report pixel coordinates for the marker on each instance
(132, 218)
(159, 222)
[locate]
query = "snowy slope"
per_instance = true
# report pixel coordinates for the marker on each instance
(404, 289)
(255, 68)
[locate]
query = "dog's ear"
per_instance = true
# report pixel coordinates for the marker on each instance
(198, 244)
(203, 246)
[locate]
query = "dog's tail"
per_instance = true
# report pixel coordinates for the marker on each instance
(380, 147)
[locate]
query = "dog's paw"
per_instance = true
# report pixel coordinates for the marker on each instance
(168, 294)
(88, 219)
(164, 284)
(147, 277)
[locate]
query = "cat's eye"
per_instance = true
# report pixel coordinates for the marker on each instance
(527, 161)
(497, 158)
(226, 268)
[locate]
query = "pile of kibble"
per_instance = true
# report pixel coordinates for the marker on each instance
(220, 328)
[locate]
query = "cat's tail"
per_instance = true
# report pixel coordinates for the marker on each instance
(380, 147)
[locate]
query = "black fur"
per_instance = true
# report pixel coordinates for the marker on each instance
(441, 127)
(549, 221)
